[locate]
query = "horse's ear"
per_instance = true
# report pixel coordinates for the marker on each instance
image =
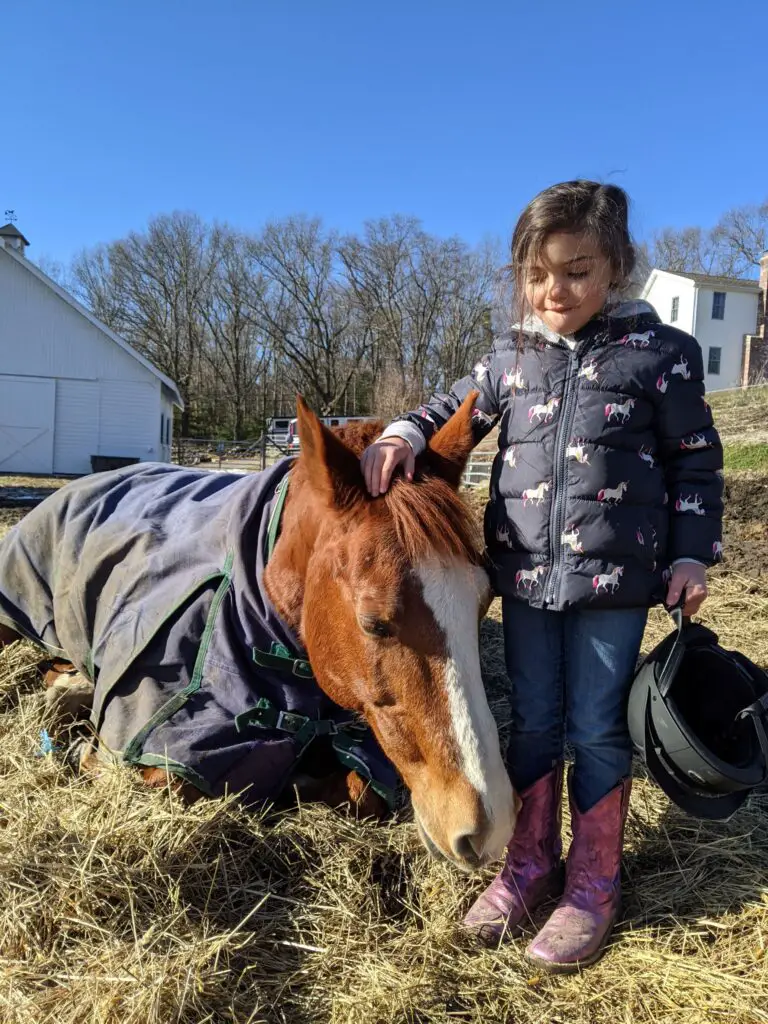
(449, 449)
(332, 468)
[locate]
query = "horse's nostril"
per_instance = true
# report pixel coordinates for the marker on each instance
(468, 847)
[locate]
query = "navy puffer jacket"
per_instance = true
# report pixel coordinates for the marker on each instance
(609, 467)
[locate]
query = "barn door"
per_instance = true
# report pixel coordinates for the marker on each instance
(77, 425)
(27, 407)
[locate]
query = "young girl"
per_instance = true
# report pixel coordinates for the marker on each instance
(605, 499)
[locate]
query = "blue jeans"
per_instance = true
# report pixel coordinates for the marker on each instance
(570, 674)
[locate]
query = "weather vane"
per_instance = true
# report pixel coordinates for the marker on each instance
(10, 216)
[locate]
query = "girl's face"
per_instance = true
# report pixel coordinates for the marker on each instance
(569, 282)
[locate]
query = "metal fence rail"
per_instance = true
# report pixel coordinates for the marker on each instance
(251, 456)
(478, 469)
(244, 456)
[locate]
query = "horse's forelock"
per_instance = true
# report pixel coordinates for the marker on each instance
(359, 434)
(431, 520)
(428, 516)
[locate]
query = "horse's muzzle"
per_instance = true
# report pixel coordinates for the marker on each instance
(467, 850)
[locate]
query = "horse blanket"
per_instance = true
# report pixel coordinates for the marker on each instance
(149, 579)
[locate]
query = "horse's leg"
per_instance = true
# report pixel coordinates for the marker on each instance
(159, 778)
(7, 635)
(53, 669)
(68, 696)
(366, 802)
(341, 788)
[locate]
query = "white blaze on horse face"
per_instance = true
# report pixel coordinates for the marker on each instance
(454, 593)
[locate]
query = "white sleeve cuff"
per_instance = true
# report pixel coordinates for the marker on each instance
(689, 561)
(409, 432)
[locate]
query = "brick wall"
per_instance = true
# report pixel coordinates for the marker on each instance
(754, 362)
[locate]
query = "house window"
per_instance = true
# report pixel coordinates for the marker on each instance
(167, 429)
(718, 306)
(713, 363)
(162, 427)
(675, 309)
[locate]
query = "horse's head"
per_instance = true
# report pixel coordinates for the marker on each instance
(387, 594)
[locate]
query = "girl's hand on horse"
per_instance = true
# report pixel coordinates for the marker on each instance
(691, 578)
(381, 459)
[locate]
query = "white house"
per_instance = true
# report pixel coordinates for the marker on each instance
(70, 388)
(719, 311)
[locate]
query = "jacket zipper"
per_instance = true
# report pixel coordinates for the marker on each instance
(560, 471)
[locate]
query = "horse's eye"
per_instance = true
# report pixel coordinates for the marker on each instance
(376, 627)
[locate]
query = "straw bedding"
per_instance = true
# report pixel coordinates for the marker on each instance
(120, 905)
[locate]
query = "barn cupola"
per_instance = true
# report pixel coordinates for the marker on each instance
(12, 238)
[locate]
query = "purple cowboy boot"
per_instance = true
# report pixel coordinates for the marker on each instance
(576, 933)
(533, 870)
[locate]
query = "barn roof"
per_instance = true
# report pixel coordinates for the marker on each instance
(72, 301)
(719, 283)
(10, 230)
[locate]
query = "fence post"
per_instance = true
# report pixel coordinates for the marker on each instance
(264, 451)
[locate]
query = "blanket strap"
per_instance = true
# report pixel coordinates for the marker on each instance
(265, 715)
(280, 658)
(345, 738)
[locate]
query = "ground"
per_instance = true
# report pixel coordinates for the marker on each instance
(120, 905)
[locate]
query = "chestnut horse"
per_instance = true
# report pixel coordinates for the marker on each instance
(386, 595)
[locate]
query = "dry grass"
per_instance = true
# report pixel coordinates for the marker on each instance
(741, 416)
(15, 480)
(120, 906)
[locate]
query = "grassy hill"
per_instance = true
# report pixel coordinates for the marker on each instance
(742, 419)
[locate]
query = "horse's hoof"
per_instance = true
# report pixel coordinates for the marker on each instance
(364, 800)
(68, 698)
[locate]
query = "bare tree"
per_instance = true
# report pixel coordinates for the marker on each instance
(95, 284)
(426, 299)
(377, 270)
(688, 250)
(732, 248)
(743, 234)
(236, 349)
(306, 309)
(464, 328)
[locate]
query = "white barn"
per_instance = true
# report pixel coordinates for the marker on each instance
(70, 388)
(720, 312)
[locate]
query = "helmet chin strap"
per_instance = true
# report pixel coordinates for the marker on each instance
(676, 611)
(758, 712)
(677, 649)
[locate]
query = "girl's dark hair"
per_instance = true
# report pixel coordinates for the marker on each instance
(600, 211)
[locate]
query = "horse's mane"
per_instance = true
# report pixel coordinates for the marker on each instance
(359, 434)
(429, 517)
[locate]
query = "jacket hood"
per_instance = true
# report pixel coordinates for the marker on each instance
(620, 317)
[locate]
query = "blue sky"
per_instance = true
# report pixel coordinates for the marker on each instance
(457, 112)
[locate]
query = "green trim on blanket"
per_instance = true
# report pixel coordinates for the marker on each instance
(89, 669)
(175, 768)
(273, 527)
(343, 747)
(133, 752)
(197, 586)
